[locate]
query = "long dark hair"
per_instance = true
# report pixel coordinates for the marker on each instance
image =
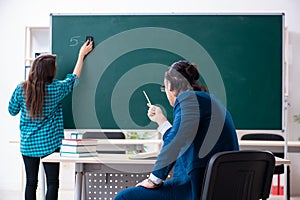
(42, 71)
(183, 76)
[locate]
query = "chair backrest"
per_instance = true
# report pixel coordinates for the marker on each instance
(268, 137)
(262, 136)
(106, 135)
(239, 175)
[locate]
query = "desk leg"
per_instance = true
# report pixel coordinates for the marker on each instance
(78, 181)
(83, 187)
(42, 179)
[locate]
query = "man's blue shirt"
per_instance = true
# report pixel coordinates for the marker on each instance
(201, 125)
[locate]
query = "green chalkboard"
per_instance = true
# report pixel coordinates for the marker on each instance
(240, 58)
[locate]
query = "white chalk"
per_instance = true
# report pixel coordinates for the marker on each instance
(147, 97)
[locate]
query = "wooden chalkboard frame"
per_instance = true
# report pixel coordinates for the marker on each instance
(279, 126)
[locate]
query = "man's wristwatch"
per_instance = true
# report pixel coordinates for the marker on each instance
(153, 184)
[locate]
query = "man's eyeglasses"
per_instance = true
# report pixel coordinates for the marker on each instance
(162, 88)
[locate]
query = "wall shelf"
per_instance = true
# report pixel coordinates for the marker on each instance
(37, 40)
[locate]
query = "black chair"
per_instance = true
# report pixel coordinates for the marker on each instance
(106, 135)
(280, 168)
(239, 175)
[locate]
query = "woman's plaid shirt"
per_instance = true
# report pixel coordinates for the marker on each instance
(41, 137)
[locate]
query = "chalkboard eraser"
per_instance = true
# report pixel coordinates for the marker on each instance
(89, 39)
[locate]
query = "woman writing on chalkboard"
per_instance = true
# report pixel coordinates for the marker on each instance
(198, 117)
(41, 122)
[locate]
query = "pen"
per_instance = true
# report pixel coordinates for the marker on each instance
(147, 97)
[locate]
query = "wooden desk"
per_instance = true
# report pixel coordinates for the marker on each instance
(280, 161)
(293, 146)
(107, 159)
(106, 165)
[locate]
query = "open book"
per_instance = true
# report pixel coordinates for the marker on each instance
(144, 155)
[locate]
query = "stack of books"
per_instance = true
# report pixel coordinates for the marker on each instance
(78, 148)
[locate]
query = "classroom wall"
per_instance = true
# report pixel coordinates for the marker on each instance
(15, 15)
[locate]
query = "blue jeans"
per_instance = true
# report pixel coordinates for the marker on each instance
(170, 190)
(52, 176)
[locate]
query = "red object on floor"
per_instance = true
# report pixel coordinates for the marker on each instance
(277, 189)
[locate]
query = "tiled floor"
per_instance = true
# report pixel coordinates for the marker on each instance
(17, 195)
(68, 195)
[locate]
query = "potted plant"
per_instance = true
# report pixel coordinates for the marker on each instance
(297, 119)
